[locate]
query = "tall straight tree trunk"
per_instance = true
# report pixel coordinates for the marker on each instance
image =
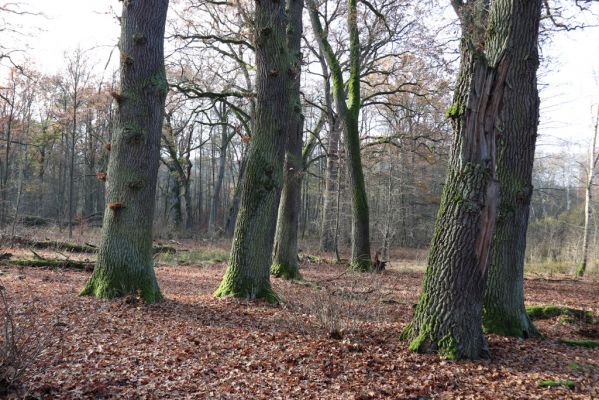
(504, 311)
(285, 264)
(72, 164)
(327, 233)
(248, 272)
(125, 263)
(588, 196)
(6, 171)
(222, 161)
(448, 317)
(348, 108)
(234, 209)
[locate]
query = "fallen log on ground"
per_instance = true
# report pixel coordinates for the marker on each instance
(67, 264)
(19, 241)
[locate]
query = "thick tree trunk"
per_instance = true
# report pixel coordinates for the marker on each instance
(285, 263)
(504, 312)
(448, 317)
(248, 272)
(125, 263)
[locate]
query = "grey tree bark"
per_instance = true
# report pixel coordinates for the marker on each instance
(285, 262)
(125, 264)
(222, 162)
(448, 317)
(248, 272)
(504, 311)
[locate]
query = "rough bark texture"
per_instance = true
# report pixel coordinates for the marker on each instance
(348, 108)
(504, 311)
(125, 263)
(448, 317)
(248, 272)
(285, 262)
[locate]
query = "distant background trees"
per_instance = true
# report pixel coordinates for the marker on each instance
(54, 129)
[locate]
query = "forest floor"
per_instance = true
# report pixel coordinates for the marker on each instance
(335, 337)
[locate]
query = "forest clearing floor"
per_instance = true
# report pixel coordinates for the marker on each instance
(335, 337)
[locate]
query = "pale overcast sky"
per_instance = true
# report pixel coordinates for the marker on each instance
(570, 85)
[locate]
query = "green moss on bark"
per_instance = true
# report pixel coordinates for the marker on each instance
(455, 111)
(286, 271)
(425, 343)
(494, 321)
(108, 285)
(240, 289)
(360, 264)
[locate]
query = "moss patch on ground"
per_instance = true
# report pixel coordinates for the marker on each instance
(551, 383)
(551, 311)
(194, 257)
(580, 343)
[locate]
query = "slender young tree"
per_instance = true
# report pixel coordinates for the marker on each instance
(348, 109)
(588, 196)
(448, 317)
(504, 311)
(125, 263)
(285, 264)
(248, 272)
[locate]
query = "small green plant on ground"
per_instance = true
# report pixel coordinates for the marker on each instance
(582, 367)
(551, 383)
(194, 257)
(580, 343)
(551, 311)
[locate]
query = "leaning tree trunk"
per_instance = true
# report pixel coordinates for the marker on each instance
(348, 108)
(285, 264)
(234, 208)
(125, 263)
(248, 273)
(448, 317)
(504, 312)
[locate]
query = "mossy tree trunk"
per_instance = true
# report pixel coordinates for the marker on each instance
(248, 272)
(285, 263)
(504, 311)
(348, 109)
(448, 317)
(125, 263)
